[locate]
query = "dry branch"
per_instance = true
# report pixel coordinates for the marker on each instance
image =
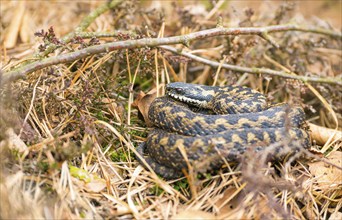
(154, 42)
(85, 35)
(83, 125)
(84, 24)
(241, 69)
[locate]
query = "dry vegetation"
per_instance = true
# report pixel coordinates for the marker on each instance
(68, 131)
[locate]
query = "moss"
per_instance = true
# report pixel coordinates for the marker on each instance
(43, 166)
(181, 185)
(100, 116)
(118, 155)
(156, 190)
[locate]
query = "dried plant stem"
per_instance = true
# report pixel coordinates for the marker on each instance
(241, 69)
(31, 105)
(184, 39)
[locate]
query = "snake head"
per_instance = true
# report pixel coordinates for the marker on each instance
(193, 94)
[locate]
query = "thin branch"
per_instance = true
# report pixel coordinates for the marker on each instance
(20, 72)
(83, 25)
(319, 31)
(268, 38)
(117, 33)
(240, 69)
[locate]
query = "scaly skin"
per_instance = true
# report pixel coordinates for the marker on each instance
(173, 116)
(204, 139)
(163, 150)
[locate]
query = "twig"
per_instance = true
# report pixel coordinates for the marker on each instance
(268, 38)
(183, 39)
(319, 31)
(106, 34)
(312, 89)
(84, 24)
(255, 70)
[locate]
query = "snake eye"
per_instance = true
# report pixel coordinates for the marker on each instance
(179, 90)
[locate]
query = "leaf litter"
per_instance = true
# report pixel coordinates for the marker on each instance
(74, 157)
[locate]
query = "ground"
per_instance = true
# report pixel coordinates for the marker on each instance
(70, 129)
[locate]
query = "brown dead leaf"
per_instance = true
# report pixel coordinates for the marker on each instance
(327, 175)
(321, 134)
(228, 204)
(225, 207)
(143, 102)
(193, 214)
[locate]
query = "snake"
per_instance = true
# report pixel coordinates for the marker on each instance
(205, 126)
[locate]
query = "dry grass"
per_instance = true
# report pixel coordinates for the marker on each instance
(71, 151)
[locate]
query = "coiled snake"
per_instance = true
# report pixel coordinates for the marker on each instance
(242, 120)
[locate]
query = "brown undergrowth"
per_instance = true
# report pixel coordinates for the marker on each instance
(69, 131)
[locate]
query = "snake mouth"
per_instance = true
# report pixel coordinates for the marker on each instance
(187, 100)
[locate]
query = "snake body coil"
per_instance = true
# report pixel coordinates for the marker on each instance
(242, 120)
